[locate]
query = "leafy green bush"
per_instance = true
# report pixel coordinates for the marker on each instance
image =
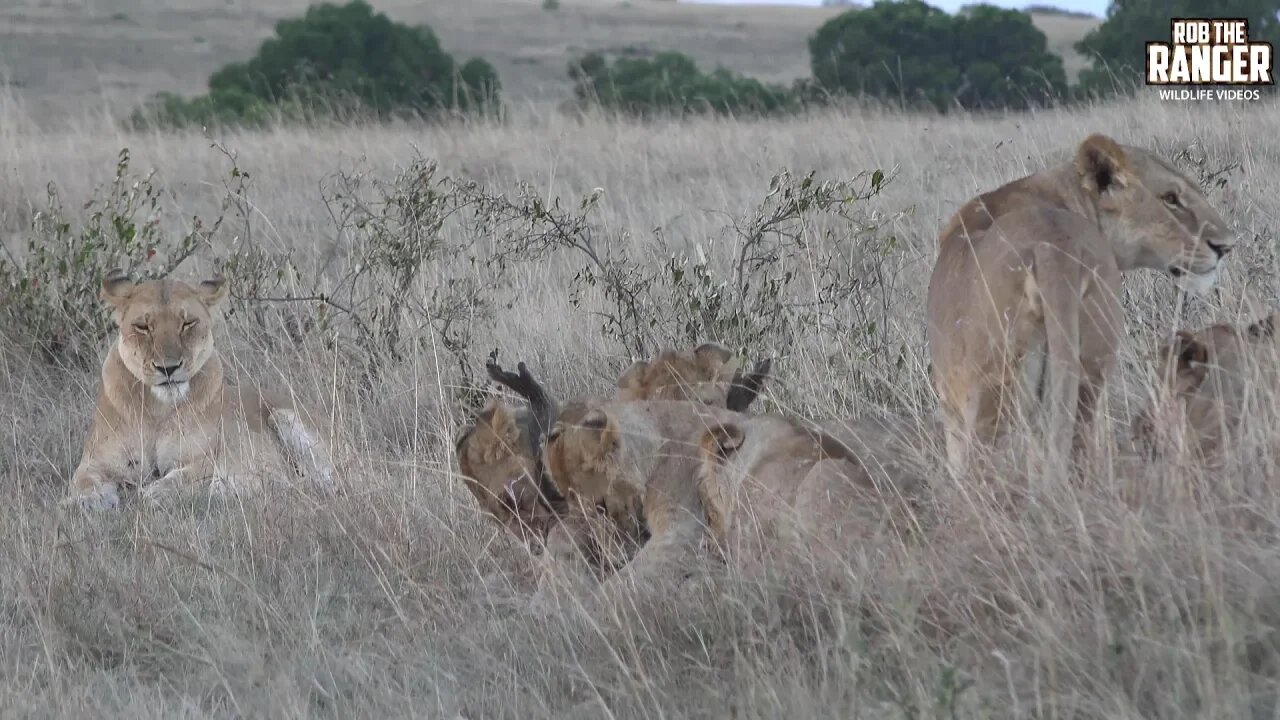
(335, 59)
(912, 52)
(50, 290)
(671, 83)
(1117, 46)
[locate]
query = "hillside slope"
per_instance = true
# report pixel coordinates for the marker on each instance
(79, 53)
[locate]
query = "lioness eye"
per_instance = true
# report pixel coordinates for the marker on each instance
(141, 328)
(1170, 198)
(188, 324)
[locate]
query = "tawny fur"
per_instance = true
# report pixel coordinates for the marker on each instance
(1025, 294)
(1207, 383)
(499, 469)
(168, 419)
(636, 464)
(702, 374)
(496, 453)
(777, 484)
(674, 469)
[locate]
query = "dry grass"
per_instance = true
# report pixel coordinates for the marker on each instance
(395, 599)
(77, 54)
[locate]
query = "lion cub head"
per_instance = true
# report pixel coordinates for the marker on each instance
(1156, 216)
(598, 467)
(709, 374)
(1205, 382)
(166, 329)
(498, 462)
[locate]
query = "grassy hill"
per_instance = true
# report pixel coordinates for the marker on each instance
(75, 54)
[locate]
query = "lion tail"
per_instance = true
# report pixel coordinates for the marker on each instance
(302, 446)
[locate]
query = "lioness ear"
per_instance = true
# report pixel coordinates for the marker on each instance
(723, 440)
(595, 420)
(1102, 164)
(712, 356)
(603, 429)
(213, 291)
(631, 381)
(116, 288)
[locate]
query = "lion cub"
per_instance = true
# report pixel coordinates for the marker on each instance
(1024, 299)
(757, 483)
(1206, 384)
(793, 484)
(633, 464)
(167, 417)
(709, 374)
(500, 454)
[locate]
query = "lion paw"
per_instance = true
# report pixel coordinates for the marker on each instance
(103, 497)
(156, 489)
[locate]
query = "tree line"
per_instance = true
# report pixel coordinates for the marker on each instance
(339, 60)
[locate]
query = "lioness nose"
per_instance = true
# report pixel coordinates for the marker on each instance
(167, 370)
(1219, 249)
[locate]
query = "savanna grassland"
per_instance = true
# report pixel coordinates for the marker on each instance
(394, 598)
(1153, 590)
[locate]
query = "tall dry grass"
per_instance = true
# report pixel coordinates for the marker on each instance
(395, 599)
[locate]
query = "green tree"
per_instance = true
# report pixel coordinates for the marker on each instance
(339, 58)
(1006, 59)
(985, 57)
(1117, 46)
(670, 83)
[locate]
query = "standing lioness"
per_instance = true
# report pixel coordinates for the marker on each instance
(1035, 265)
(166, 416)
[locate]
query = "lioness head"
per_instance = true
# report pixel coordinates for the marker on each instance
(1156, 216)
(1203, 382)
(166, 329)
(701, 375)
(709, 374)
(496, 458)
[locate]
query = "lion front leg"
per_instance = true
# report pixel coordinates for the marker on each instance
(194, 476)
(95, 483)
(569, 560)
(677, 525)
(92, 488)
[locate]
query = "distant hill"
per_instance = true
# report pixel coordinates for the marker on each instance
(68, 56)
(1040, 9)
